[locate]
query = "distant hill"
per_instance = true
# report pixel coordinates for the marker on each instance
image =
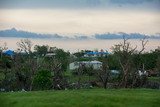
(24, 34)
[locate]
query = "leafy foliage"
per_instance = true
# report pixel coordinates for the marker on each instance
(42, 80)
(41, 50)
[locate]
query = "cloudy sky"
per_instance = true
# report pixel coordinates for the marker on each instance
(70, 17)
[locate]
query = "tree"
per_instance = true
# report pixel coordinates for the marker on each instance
(25, 69)
(43, 80)
(158, 65)
(157, 51)
(58, 79)
(2, 48)
(5, 61)
(41, 50)
(104, 73)
(124, 53)
(81, 53)
(62, 57)
(112, 62)
(139, 64)
(25, 45)
(80, 72)
(30, 64)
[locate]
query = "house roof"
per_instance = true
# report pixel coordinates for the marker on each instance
(90, 62)
(9, 52)
(96, 53)
(96, 62)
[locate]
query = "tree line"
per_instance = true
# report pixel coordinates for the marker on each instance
(47, 67)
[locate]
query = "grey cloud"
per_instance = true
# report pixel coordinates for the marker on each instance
(23, 34)
(41, 3)
(70, 3)
(131, 1)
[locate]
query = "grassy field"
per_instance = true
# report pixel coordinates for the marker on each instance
(83, 98)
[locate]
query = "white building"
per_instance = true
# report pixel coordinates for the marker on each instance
(95, 64)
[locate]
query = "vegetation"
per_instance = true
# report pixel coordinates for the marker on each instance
(46, 68)
(82, 98)
(42, 80)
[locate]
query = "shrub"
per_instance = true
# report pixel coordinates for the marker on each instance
(43, 80)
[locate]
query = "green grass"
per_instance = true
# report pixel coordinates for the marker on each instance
(156, 79)
(84, 78)
(83, 98)
(75, 78)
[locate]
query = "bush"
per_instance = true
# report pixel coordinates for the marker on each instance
(85, 71)
(43, 80)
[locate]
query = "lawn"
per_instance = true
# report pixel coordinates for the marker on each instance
(83, 98)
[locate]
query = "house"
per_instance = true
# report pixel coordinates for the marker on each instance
(94, 64)
(96, 54)
(50, 55)
(9, 53)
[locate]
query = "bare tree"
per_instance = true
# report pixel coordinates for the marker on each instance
(143, 44)
(58, 79)
(25, 70)
(124, 52)
(158, 60)
(80, 72)
(30, 63)
(158, 65)
(4, 60)
(25, 45)
(138, 64)
(2, 48)
(104, 73)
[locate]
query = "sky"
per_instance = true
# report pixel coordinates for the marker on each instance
(73, 17)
